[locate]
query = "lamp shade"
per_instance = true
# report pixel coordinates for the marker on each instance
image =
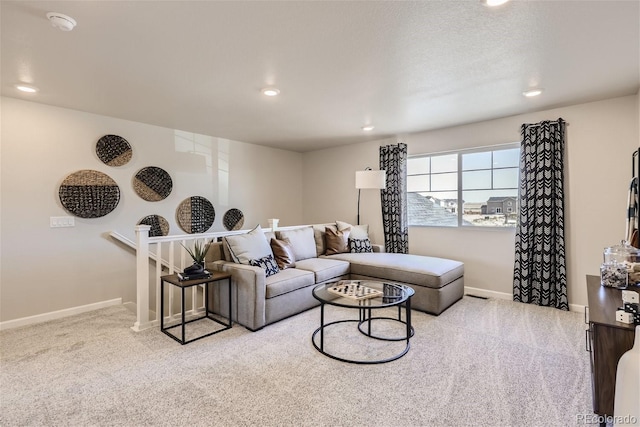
(371, 179)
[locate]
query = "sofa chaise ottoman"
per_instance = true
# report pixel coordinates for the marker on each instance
(437, 282)
(266, 290)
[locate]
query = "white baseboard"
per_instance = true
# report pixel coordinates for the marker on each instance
(504, 295)
(485, 293)
(38, 318)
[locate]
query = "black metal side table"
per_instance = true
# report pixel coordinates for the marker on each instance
(173, 279)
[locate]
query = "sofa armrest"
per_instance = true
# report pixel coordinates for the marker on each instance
(248, 293)
(377, 248)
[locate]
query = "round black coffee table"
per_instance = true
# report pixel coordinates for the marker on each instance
(366, 296)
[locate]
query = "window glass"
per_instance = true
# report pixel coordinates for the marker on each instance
(444, 181)
(473, 161)
(506, 158)
(489, 188)
(444, 163)
(505, 178)
(476, 180)
(418, 165)
(418, 183)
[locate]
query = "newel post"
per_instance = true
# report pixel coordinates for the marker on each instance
(142, 278)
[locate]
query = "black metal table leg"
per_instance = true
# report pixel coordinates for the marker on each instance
(322, 327)
(162, 305)
(230, 308)
(183, 315)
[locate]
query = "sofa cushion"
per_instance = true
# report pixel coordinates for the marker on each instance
(337, 241)
(302, 242)
(360, 245)
(357, 231)
(288, 280)
(324, 268)
(267, 263)
(283, 253)
(405, 268)
(319, 237)
(248, 246)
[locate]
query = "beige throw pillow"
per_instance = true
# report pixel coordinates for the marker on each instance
(302, 242)
(283, 253)
(318, 235)
(357, 231)
(337, 241)
(249, 246)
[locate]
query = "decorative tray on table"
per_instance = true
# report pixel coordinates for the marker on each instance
(354, 291)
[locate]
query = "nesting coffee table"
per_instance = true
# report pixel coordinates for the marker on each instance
(365, 296)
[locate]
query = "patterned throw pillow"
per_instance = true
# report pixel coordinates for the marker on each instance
(360, 246)
(267, 263)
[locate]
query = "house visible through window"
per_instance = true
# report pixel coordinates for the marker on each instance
(464, 188)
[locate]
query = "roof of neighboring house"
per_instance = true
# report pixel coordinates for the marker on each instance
(501, 199)
(423, 211)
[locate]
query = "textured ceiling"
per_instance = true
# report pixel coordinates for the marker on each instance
(402, 66)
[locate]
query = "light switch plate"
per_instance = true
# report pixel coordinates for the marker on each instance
(62, 221)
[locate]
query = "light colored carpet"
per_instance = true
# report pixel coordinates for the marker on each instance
(480, 363)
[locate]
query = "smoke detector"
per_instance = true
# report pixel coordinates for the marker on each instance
(61, 21)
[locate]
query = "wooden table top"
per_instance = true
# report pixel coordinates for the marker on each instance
(215, 276)
(603, 303)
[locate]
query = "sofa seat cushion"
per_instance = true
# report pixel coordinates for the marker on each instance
(288, 280)
(324, 268)
(418, 270)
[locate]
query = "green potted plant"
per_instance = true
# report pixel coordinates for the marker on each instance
(198, 254)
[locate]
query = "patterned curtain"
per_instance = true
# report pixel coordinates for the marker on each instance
(539, 274)
(393, 159)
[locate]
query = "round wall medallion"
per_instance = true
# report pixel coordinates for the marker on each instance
(152, 183)
(113, 150)
(159, 225)
(233, 219)
(195, 214)
(89, 194)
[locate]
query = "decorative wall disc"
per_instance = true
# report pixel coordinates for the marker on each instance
(152, 183)
(159, 225)
(195, 214)
(113, 150)
(89, 194)
(233, 219)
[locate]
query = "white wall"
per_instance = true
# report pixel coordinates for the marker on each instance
(46, 269)
(600, 140)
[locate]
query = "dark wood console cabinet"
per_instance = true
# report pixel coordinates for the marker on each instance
(607, 340)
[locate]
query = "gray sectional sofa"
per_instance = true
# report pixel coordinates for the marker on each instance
(262, 295)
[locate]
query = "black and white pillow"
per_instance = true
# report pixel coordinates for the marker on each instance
(268, 264)
(360, 246)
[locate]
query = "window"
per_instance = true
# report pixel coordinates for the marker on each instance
(484, 182)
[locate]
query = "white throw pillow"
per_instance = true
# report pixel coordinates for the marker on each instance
(357, 231)
(302, 242)
(250, 246)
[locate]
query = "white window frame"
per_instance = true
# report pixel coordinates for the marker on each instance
(460, 206)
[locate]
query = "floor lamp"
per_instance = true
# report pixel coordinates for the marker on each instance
(369, 179)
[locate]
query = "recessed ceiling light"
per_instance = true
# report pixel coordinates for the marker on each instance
(367, 128)
(493, 3)
(26, 88)
(270, 91)
(61, 21)
(532, 92)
